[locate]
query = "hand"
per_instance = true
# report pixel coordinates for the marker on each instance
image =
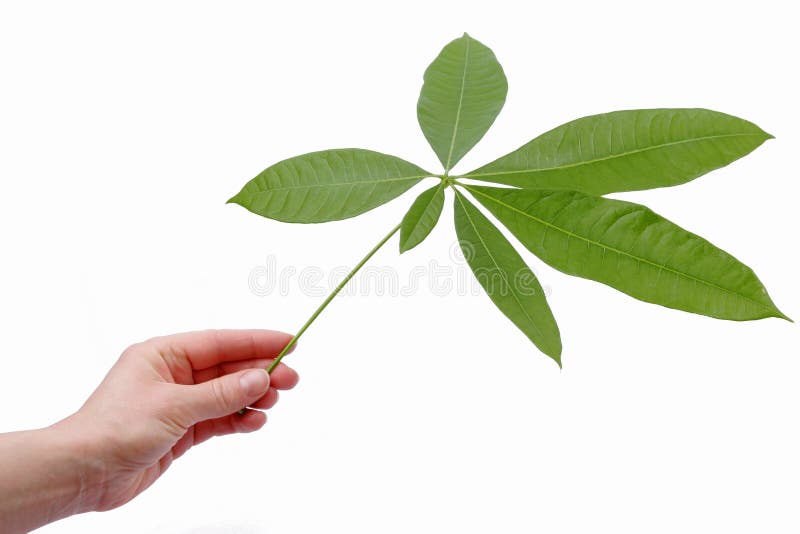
(161, 398)
(170, 393)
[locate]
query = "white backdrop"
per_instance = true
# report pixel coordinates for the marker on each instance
(124, 127)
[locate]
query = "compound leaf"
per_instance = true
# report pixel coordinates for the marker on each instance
(630, 248)
(328, 185)
(508, 281)
(421, 217)
(626, 151)
(463, 91)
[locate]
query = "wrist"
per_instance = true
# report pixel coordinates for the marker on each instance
(83, 468)
(48, 474)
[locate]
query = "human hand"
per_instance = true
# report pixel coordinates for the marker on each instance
(167, 394)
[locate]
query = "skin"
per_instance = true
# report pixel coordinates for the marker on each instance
(162, 397)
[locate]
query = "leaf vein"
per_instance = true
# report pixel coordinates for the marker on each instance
(620, 252)
(609, 157)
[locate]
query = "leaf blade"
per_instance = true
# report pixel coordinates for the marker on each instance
(576, 233)
(421, 217)
(328, 185)
(488, 251)
(626, 151)
(463, 91)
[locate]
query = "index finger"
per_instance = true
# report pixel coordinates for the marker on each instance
(208, 348)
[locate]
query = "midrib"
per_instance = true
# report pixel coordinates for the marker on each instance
(617, 251)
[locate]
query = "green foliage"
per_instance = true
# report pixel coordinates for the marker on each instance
(630, 248)
(510, 284)
(554, 206)
(626, 151)
(328, 185)
(422, 216)
(464, 90)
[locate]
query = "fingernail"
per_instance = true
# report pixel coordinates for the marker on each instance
(255, 382)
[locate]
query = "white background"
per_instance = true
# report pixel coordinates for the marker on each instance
(124, 127)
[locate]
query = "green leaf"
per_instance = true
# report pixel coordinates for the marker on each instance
(327, 186)
(630, 248)
(626, 151)
(421, 217)
(510, 284)
(463, 91)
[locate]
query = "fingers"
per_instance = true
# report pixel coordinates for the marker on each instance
(224, 395)
(207, 348)
(283, 377)
(266, 402)
(250, 421)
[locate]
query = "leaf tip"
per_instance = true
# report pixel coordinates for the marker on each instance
(555, 354)
(233, 200)
(402, 244)
(765, 134)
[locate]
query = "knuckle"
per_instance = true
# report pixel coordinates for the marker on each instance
(131, 352)
(223, 397)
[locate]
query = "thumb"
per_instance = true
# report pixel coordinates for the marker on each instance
(227, 394)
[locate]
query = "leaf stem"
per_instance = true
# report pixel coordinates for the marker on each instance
(330, 297)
